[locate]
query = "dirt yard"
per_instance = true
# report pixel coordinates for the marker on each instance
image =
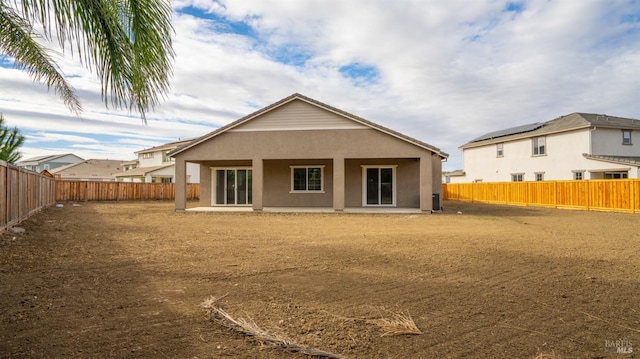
(127, 280)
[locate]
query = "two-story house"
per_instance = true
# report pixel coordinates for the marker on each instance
(49, 162)
(572, 147)
(154, 166)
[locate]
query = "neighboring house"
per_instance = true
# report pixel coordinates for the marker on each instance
(154, 166)
(89, 170)
(572, 147)
(49, 162)
(300, 152)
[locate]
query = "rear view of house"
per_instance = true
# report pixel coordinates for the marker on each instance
(300, 152)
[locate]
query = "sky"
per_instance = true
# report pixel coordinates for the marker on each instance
(441, 71)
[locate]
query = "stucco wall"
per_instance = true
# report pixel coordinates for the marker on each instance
(608, 141)
(363, 143)
(277, 185)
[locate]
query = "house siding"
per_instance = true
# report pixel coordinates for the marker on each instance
(608, 141)
(365, 143)
(288, 119)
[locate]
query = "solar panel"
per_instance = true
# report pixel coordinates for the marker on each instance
(509, 131)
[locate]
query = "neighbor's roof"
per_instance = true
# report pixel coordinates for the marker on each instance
(622, 160)
(565, 123)
(142, 171)
(166, 146)
(297, 96)
(34, 161)
(89, 169)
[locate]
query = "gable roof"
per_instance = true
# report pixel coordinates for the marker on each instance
(324, 106)
(89, 169)
(574, 121)
(34, 161)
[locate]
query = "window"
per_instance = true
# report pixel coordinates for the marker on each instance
(47, 167)
(165, 158)
(615, 175)
(147, 155)
(307, 178)
(539, 176)
(626, 137)
(539, 146)
(517, 177)
(578, 175)
(500, 150)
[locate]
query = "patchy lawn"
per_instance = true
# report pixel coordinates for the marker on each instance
(128, 280)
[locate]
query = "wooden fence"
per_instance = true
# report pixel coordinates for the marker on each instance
(22, 193)
(80, 191)
(619, 195)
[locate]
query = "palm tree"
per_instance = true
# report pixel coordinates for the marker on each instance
(127, 43)
(10, 141)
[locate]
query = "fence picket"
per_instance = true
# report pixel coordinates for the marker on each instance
(601, 195)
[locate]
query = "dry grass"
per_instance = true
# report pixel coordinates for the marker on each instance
(267, 339)
(400, 324)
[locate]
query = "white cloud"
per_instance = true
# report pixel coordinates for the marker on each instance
(447, 71)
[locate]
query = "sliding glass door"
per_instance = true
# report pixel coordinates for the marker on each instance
(379, 186)
(232, 186)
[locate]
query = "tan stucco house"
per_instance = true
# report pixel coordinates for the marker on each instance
(299, 152)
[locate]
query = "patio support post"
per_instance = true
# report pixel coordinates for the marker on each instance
(257, 168)
(338, 184)
(426, 184)
(181, 185)
(206, 186)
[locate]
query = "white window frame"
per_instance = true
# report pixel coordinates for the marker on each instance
(307, 167)
(536, 146)
(213, 186)
(577, 174)
(394, 178)
(613, 174)
(147, 155)
(539, 176)
(624, 138)
(517, 177)
(500, 149)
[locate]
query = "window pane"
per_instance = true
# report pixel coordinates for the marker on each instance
(242, 187)
(386, 186)
(231, 187)
(220, 186)
(299, 179)
(372, 186)
(315, 179)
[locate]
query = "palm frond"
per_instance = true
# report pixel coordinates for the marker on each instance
(127, 43)
(18, 40)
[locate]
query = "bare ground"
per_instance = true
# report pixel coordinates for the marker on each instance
(127, 280)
